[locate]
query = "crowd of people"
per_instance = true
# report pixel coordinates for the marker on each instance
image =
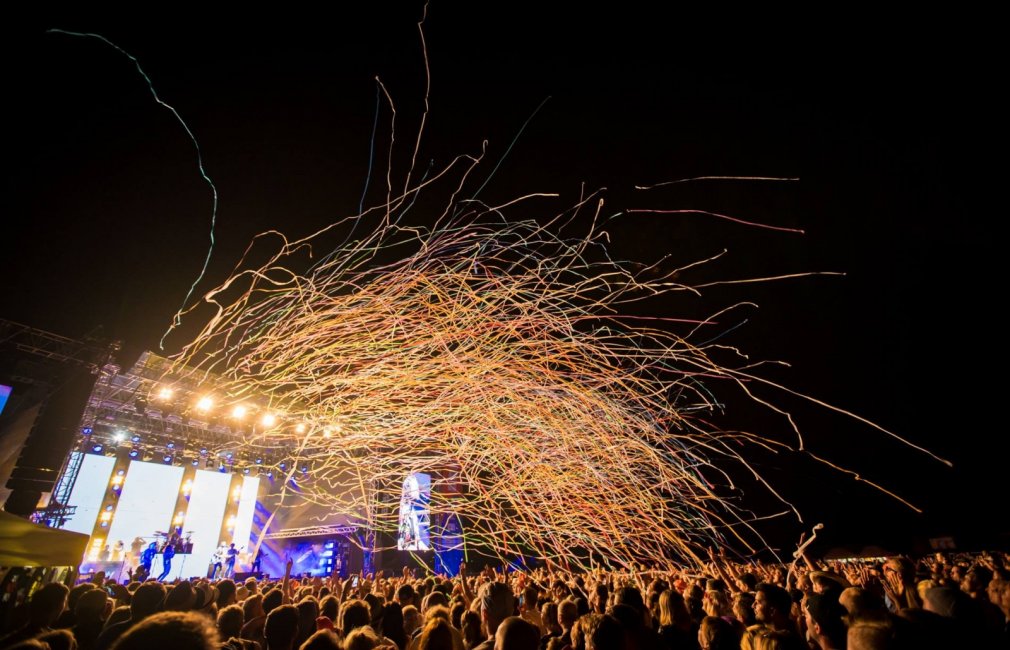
(939, 601)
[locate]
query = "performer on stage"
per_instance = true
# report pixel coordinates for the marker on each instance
(218, 560)
(118, 551)
(232, 554)
(167, 554)
(256, 565)
(146, 560)
(136, 549)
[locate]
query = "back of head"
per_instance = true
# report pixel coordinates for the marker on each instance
(469, 625)
(392, 623)
(47, 603)
(226, 590)
(568, 613)
(181, 598)
(600, 632)
(630, 596)
(411, 619)
(170, 631)
(362, 638)
(354, 614)
(780, 640)
(437, 635)
(59, 640)
(281, 627)
(516, 633)
(91, 606)
(76, 593)
(717, 634)
(230, 621)
(147, 600)
(405, 595)
(672, 609)
(497, 603)
(434, 599)
(875, 634)
(272, 599)
(860, 603)
(321, 640)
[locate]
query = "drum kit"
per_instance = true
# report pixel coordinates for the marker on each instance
(181, 544)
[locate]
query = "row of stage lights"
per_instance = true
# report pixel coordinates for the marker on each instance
(205, 404)
(227, 462)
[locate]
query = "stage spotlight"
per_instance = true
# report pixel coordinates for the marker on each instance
(245, 471)
(229, 455)
(239, 412)
(167, 459)
(121, 472)
(119, 436)
(305, 470)
(108, 508)
(105, 524)
(171, 445)
(86, 431)
(165, 393)
(204, 404)
(259, 461)
(270, 475)
(196, 462)
(327, 432)
(223, 469)
(300, 427)
(97, 449)
(203, 451)
(283, 465)
(269, 420)
(134, 453)
(135, 438)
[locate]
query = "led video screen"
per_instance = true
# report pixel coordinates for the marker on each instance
(413, 532)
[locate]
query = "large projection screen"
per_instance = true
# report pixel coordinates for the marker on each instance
(414, 513)
(244, 516)
(207, 501)
(89, 491)
(146, 505)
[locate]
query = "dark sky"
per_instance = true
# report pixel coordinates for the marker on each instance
(892, 131)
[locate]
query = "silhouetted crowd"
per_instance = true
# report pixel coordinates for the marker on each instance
(940, 601)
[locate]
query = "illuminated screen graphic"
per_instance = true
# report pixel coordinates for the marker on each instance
(147, 504)
(414, 515)
(5, 392)
(89, 492)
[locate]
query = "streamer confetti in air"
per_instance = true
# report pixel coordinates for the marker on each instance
(498, 354)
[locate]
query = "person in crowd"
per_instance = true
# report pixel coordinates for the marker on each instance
(516, 633)
(170, 631)
(44, 609)
(825, 621)
(281, 628)
(496, 604)
(147, 601)
(92, 609)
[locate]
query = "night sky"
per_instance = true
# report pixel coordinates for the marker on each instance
(891, 130)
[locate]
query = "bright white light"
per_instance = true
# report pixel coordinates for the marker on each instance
(269, 419)
(205, 404)
(239, 412)
(119, 436)
(300, 427)
(165, 394)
